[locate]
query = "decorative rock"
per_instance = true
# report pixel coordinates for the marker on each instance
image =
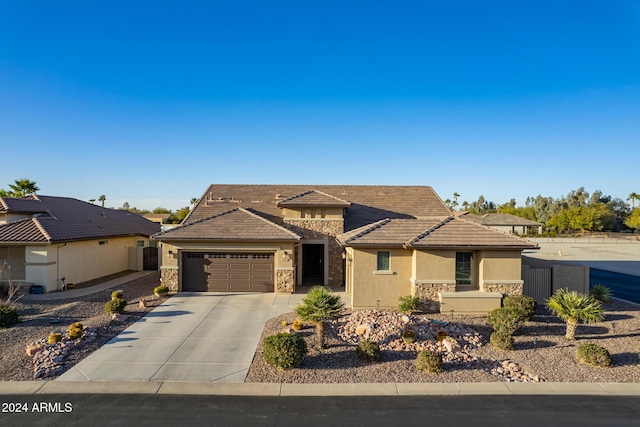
(119, 317)
(142, 303)
(32, 349)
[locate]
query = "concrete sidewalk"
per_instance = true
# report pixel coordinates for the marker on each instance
(277, 389)
(77, 293)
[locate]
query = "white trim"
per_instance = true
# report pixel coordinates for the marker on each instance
(284, 268)
(384, 272)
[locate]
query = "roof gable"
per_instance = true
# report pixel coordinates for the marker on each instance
(368, 203)
(232, 225)
(314, 198)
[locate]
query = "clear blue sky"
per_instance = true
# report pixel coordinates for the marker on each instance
(150, 102)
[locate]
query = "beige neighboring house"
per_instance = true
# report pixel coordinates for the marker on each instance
(380, 242)
(503, 222)
(161, 218)
(46, 238)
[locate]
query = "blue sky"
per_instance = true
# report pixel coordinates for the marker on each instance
(150, 102)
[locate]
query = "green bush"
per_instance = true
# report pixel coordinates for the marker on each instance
(117, 295)
(523, 305)
(115, 306)
(368, 351)
(408, 303)
(504, 319)
(600, 292)
(161, 289)
(8, 316)
(593, 354)
(501, 340)
(284, 350)
(429, 362)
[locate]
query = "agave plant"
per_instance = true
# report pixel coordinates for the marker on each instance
(600, 292)
(573, 307)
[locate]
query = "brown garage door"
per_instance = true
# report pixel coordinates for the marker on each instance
(227, 272)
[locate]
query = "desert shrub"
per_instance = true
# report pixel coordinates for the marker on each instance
(430, 362)
(76, 325)
(8, 316)
(600, 292)
(504, 319)
(161, 289)
(297, 325)
(501, 340)
(408, 303)
(54, 337)
(115, 306)
(368, 351)
(284, 350)
(75, 333)
(593, 354)
(117, 295)
(523, 305)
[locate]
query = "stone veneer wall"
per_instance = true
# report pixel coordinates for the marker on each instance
(285, 281)
(504, 288)
(169, 277)
(323, 229)
(428, 294)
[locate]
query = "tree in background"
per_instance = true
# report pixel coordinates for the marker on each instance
(633, 221)
(102, 199)
(633, 197)
(20, 188)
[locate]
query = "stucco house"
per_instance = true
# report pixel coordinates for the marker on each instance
(380, 242)
(46, 238)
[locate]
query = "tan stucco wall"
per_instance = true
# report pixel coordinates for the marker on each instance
(500, 265)
(330, 213)
(5, 218)
(78, 261)
(370, 289)
(434, 266)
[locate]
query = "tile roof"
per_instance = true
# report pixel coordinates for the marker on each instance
(497, 219)
(232, 225)
(369, 203)
(449, 233)
(314, 198)
(62, 219)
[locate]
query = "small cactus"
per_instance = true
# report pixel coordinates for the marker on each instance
(54, 338)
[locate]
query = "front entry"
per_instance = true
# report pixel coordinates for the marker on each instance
(313, 264)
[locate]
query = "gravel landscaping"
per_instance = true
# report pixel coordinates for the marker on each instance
(541, 352)
(40, 318)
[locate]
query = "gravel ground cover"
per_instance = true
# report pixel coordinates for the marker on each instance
(40, 318)
(541, 353)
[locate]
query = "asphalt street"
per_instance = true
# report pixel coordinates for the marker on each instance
(196, 410)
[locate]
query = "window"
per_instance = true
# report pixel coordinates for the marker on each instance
(103, 242)
(383, 261)
(463, 268)
(140, 243)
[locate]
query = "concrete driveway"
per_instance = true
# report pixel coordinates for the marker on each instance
(191, 337)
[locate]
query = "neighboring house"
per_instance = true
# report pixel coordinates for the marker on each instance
(503, 222)
(161, 218)
(46, 238)
(382, 242)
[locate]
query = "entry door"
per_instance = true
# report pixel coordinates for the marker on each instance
(313, 264)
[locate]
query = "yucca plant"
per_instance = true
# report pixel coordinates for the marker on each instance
(319, 306)
(600, 292)
(573, 307)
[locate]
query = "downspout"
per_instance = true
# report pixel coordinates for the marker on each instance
(58, 263)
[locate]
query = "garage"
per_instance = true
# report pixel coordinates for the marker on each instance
(227, 272)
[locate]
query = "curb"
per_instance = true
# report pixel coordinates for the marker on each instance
(287, 390)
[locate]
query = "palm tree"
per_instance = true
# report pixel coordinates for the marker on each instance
(22, 187)
(194, 200)
(102, 199)
(573, 307)
(319, 306)
(633, 197)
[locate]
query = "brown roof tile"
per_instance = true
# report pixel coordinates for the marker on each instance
(232, 225)
(369, 203)
(314, 198)
(61, 219)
